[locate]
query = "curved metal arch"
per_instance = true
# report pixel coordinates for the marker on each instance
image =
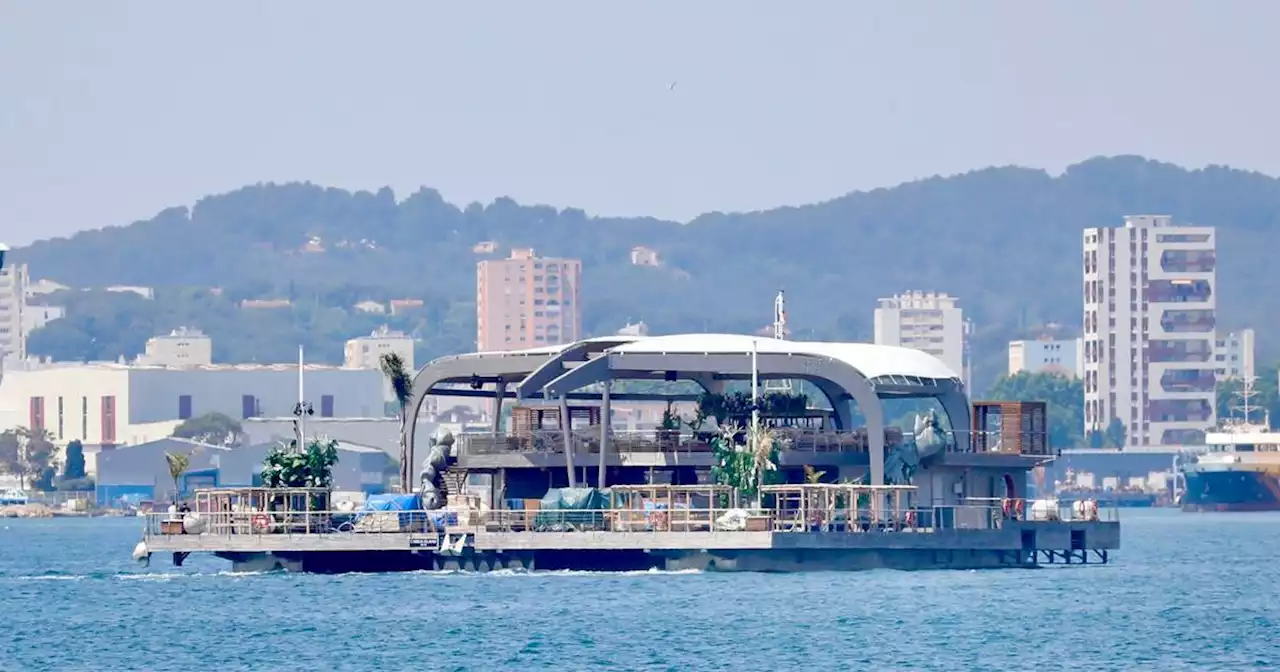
(554, 367)
(512, 365)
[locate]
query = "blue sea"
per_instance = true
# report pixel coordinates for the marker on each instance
(1186, 592)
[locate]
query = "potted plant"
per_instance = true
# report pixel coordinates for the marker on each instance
(669, 432)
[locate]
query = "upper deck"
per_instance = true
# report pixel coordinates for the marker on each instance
(544, 448)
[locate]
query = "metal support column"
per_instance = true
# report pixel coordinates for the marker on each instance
(605, 430)
(497, 408)
(566, 428)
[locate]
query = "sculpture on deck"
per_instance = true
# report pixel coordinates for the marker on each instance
(928, 439)
(433, 468)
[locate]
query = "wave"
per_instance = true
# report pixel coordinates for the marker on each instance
(445, 573)
(500, 573)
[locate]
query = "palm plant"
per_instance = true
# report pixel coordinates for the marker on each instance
(393, 367)
(178, 464)
(747, 467)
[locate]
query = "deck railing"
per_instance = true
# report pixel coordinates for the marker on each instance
(639, 517)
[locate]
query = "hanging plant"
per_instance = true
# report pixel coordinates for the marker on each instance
(310, 469)
(737, 406)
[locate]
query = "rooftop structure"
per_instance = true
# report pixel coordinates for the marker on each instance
(845, 373)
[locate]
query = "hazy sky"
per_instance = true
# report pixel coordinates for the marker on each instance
(115, 110)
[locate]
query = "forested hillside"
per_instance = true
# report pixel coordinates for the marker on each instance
(1004, 240)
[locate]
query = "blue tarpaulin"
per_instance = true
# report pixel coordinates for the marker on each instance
(411, 506)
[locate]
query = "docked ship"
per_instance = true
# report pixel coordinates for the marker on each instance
(1240, 470)
(1072, 490)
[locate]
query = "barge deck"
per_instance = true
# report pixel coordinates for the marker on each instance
(783, 537)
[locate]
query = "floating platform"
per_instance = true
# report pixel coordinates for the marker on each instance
(805, 529)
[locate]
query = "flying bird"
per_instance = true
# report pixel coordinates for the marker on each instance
(672, 86)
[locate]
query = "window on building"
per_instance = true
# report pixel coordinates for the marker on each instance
(60, 419)
(326, 406)
(184, 407)
(108, 420)
(84, 418)
(248, 406)
(36, 419)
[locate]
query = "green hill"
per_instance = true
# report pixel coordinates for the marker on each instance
(1004, 240)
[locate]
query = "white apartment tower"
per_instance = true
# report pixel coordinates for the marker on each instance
(927, 321)
(1149, 330)
(13, 303)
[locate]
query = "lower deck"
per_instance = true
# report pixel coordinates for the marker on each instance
(794, 536)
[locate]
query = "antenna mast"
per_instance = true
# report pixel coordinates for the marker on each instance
(301, 410)
(1246, 394)
(779, 333)
(780, 316)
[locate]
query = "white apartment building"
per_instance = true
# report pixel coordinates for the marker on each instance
(927, 321)
(1149, 330)
(1233, 355)
(1047, 356)
(178, 349)
(365, 352)
(13, 303)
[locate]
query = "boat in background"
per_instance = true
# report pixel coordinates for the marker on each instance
(13, 497)
(1240, 471)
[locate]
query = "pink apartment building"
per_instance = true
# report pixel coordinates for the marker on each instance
(527, 301)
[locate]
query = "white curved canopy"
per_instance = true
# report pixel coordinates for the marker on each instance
(871, 360)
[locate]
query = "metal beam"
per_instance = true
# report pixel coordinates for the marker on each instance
(573, 396)
(555, 366)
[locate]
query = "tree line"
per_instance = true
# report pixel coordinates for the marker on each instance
(326, 249)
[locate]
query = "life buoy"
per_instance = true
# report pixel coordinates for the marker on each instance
(1017, 509)
(1006, 506)
(1093, 509)
(911, 519)
(261, 522)
(658, 520)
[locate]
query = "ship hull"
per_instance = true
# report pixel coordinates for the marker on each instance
(1232, 490)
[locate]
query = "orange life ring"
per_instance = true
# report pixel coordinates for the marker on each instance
(911, 519)
(261, 522)
(1017, 508)
(658, 519)
(1007, 507)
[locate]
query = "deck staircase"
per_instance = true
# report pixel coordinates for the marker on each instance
(455, 479)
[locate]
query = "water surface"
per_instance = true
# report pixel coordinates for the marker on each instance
(1187, 592)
